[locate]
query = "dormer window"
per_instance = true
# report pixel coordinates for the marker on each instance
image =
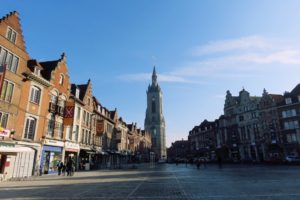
(61, 79)
(37, 71)
(288, 100)
(77, 92)
(11, 35)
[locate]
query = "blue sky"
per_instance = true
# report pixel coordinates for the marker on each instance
(201, 49)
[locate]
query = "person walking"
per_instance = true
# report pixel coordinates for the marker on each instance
(64, 170)
(60, 165)
(69, 166)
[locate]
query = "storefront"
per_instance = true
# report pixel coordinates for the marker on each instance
(86, 156)
(15, 161)
(52, 153)
(71, 152)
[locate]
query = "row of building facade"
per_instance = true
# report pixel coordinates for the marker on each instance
(44, 118)
(253, 128)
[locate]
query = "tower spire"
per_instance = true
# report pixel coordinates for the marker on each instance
(154, 77)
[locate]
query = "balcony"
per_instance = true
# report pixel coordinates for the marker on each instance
(52, 107)
(60, 111)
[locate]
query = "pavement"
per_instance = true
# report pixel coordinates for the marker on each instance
(164, 181)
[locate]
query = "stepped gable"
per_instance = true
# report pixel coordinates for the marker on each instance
(12, 19)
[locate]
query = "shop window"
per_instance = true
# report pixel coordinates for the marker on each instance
(30, 128)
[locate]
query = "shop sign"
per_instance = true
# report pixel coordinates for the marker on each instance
(4, 132)
(100, 127)
(53, 143)
(70, 146)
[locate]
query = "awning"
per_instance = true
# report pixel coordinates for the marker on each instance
(4, 149)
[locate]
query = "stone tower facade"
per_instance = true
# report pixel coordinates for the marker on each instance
(155, 121)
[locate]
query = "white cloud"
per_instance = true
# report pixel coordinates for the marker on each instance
(147, 77)
(245, 57)
(256, 42)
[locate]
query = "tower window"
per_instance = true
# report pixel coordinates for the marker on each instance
(153, 105)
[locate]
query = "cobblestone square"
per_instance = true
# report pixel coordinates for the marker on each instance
(163, 181)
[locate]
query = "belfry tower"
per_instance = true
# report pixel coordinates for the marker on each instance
(155, 121)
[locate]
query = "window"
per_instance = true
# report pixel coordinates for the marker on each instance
(54, 98)
(289, 113)
(86, 137)
(61, 79)
(51, 124)
(241, 118)
(82, 136)
(77, 93)
(153, 105)
(35, 95)
(76, 133)
(291, 125)
(87, 118)
(9, 59)
(84, 116)
(30, 128)
(11, 35)
(37, 71)
(288, 100)
(7, 91)
(3, 119)
(78, 113)
(89, 101)
(291, 138)
(60, 130)
(70, 132)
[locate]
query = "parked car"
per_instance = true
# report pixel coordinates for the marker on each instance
(292, 159)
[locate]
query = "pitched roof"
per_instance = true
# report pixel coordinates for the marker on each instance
(83, 89)
(48, 67)
(296, 90)
(277, 97)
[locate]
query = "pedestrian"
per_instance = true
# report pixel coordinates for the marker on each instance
(69, 167)
(64, 170)
(59, 167)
